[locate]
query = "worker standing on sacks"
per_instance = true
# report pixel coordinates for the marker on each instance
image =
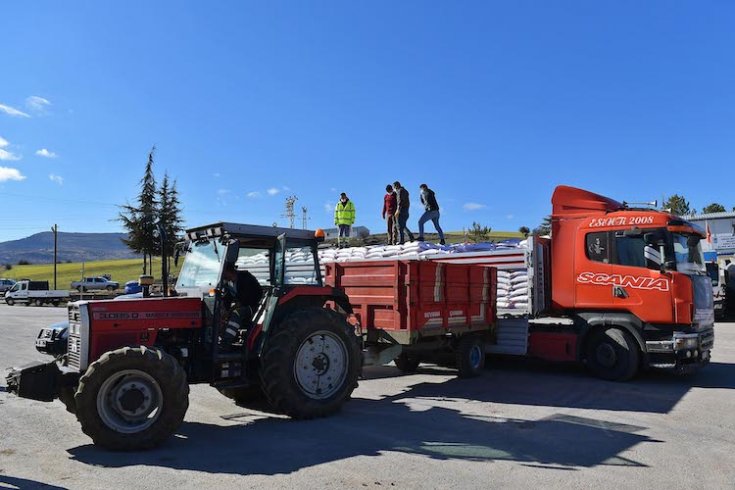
(402, 205)
(390, 202)
(344, 218)
(428, 199)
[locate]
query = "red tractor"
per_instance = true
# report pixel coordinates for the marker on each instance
(128, 364)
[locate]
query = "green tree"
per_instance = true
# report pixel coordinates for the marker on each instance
(524, 230)
(677, 205)
(713, 208)
(169, 213)
(544, 228)
(139, 220)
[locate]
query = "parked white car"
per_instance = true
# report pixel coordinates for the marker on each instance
(34, 293)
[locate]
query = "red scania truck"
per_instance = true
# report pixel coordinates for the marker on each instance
(616, 288)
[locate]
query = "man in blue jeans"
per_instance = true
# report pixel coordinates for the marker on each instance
(428, 199)
(402, 205)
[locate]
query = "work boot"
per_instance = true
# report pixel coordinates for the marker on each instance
(442, 242)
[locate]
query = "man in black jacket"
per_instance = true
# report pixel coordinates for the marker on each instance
(428, 199)
(402, 205)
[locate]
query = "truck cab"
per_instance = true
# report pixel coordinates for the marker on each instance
(640, 272)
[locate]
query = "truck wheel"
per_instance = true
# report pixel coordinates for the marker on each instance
(9, 301)
(407, 363)
(470, 356)
(81, 289)
(612, 354)
(38, 302)
(310, 364)
(55, 303)
(132, 398)
(110, 288)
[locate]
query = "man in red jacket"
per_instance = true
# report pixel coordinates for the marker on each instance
(389, 208)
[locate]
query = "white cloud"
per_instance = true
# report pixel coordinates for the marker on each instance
(37, 104)
(217, 175)
(56, 178)
(328, 207)
(43, 152)
(223, 192)
(12, 111)
(286, 188)
(6, 155)
(7, 173)
(473, 206)
(509, 216)
(273, 191)
(253, 194)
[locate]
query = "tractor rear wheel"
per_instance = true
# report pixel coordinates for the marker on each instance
(132, 398)
(310, 364)
(470, 356)
(612, 354)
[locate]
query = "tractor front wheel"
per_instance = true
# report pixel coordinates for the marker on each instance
(310, 364)
(132, 398)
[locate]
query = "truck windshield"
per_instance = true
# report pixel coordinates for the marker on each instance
(688, 252)
(201, 266)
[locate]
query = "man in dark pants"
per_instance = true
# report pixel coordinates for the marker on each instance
(428, 199)
(402, 205)
(389, 211)
(241, 298)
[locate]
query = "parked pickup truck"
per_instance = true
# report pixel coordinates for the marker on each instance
(34, 293)
(90, 283)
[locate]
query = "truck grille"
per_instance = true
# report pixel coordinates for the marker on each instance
(74, 345)
(74, 342)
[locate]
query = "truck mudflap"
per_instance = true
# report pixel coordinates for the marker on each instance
(36, 381)
(683, 352)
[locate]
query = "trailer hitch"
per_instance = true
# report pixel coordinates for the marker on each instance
(36, 381)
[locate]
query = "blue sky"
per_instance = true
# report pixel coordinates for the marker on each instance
(492, 104)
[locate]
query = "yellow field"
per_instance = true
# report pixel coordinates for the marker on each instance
(121, 271)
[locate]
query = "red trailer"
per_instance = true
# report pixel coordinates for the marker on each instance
(420, 310)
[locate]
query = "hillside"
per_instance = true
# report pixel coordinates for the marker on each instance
(72, 247)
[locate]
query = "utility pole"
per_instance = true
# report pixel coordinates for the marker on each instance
(290, 214)
(55, 229)
(304, 217)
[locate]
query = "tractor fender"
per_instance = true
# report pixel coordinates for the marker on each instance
(588, 322)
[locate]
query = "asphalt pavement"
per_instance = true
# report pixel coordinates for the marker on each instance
(521, 424)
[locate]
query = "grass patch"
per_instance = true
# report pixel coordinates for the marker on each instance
(121, 270)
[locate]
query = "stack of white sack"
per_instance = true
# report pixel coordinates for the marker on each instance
(512, 292)
(408, 250)
(299, 268)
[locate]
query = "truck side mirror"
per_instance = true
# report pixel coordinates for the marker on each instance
(233, 251)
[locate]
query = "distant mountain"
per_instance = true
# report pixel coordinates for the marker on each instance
(74, 247)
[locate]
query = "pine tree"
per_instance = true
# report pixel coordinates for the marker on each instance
(713, 208)
(544, 228)
(677, 205)
(139, 220)
(169, 213)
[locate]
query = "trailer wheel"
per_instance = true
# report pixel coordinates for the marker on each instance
(310, 364)
(9, 301)
(470, 356)
(55, 302)
(407, 363)
(612, 354)
(132, 398)
(38, 302)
